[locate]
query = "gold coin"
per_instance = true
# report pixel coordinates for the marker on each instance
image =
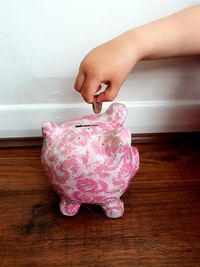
(97, 107)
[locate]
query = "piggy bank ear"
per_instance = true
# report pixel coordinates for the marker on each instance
(50, 130)
(117, 142)
(116, 113)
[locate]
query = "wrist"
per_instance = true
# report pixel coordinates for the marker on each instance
(139, 44)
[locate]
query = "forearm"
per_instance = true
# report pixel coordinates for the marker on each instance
(176, 35)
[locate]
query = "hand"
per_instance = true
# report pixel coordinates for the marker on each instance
(110, 64)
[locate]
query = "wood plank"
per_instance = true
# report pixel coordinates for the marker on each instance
(160, 226)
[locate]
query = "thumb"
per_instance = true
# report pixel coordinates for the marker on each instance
(109, 94)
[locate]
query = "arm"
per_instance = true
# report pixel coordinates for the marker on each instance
(176, 35)
(110, 63)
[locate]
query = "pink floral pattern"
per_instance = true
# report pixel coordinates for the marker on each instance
(90, 160)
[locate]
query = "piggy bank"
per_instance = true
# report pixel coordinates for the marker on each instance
(90, 160)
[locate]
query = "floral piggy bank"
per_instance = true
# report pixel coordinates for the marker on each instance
(90, 160)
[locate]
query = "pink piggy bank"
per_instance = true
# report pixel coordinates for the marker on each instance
(90, 160)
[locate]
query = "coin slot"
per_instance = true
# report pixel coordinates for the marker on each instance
(86, 125)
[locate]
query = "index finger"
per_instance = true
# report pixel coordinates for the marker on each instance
(79, 81)
(89, 88)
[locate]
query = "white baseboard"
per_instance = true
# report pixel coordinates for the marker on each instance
(143, 116)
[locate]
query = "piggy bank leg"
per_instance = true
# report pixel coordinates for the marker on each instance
(114, 208)
(68, 208)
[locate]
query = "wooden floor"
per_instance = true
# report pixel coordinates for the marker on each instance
(160, 226)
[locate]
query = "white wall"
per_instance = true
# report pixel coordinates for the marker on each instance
(42, 43)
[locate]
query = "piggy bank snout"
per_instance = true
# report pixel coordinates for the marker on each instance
(117, 142)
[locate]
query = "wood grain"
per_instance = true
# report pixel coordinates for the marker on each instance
(160, 226)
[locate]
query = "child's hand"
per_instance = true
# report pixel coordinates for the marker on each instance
(110, 64)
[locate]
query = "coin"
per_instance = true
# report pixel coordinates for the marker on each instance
(97, 106)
